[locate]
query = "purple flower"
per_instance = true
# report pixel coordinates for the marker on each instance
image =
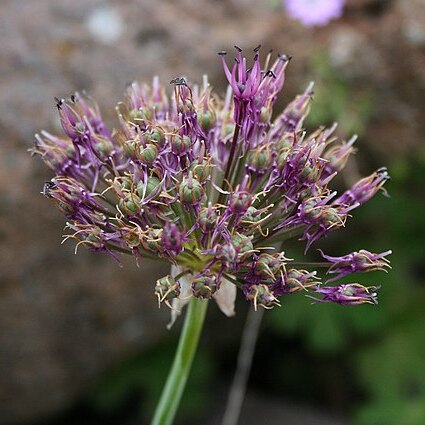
(361, 261)
(314, 12)
(209, 185)
(348, 294)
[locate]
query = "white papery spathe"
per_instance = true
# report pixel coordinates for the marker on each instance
(225, 296)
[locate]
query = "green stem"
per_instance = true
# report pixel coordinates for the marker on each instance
(177, 377)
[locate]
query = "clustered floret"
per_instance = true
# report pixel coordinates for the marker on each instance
(210, 185)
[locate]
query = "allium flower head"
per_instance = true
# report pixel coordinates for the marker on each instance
(314, 12)
(210, 185)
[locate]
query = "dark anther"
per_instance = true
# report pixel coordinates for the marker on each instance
(59, 102)
(73, 98)
(48, 186)
(237, 48)
(237, 61)
(257, 48)
(222, 53)
(383, 171)
(270, 73)
(179, 81)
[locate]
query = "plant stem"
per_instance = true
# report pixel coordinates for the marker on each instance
(245, 356)
(177, 377)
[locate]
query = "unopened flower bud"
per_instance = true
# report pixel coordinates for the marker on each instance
(265, 114)
(282, 158)
(158, 137)
(201, 170)
(285, 142)
(295, 280)
(259, 159)
(180, 144)
(130, 205)
(153, 240)
(242, 244)
(240, 202)
(146, 189)
(167, 289)
(251, 216)
(261, 296)
(148, 154)
(207, 219)
(229, 129)
(310, 172)
(131, 148)
(204, 286)
(125, 183)
(191, 191)
(268, 267)
(141, 114)
(206, 120)
(104, 146)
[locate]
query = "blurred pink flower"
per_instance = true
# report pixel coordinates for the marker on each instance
(314, 12)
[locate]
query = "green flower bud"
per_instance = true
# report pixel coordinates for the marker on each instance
(206, 120)
(265, 114)
(268, 267)
(200, 170)
(158, 137)
(167, 289)
(286, 142)
(104, 146)
(296, 280)
(242, 244)
(141, 114)
(204, 286)
(250, 217)
(207, 219)
(147, 189)
(261, 296)
(131, 148)
(179, 144)
(191, 191)
(70, 151)
(131, 238)
(148, 154)
(331, 217)
(240, 202)
(130, 205)
(282, 158)
(311, 210)
(310, 173)
(152, 241)
(126, 183)
(259, 159)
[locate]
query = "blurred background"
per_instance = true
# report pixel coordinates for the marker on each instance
(82, 340)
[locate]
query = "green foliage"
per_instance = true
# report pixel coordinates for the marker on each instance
(385, 344)
(145, 373)
(393, 372)
(336, 100)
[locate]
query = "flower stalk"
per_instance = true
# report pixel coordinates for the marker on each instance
(177, 377)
